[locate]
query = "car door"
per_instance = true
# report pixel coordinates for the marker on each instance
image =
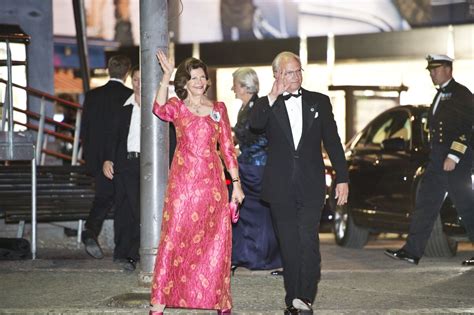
(364, 171)
(397, 167)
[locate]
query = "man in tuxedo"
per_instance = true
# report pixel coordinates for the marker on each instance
(296, 122)
(122, 165)
(450, 124)
(100, 104)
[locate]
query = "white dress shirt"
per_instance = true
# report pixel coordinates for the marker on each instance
(295, 114)
(294, 109)
(133, 140)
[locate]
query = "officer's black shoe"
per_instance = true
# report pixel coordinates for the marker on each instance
(92, 247)
(468, 262)
(291, 310)
(401, 254)
(303, 305)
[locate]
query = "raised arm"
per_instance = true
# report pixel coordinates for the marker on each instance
(261, 111)
(167, 64)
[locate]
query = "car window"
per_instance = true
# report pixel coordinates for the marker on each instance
(379, 130)
(401, 126)
(367, 135)
(382, 132)
(393, 124)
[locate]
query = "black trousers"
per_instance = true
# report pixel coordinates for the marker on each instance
(296, 225)
(432, 190)
(127, 211)
(103, 202)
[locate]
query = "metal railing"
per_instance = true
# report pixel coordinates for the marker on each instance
(43, 122)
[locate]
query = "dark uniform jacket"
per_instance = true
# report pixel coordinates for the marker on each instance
(451, 125)
(304, 167)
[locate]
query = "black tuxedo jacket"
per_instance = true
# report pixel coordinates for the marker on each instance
(304, 166)
(100, 105)
(451, 125)
(116, 146)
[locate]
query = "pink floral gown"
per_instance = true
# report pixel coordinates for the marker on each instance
(192, 268)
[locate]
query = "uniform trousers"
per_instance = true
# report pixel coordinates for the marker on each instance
(434, 185)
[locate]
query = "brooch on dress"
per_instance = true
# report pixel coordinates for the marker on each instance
(216, 116)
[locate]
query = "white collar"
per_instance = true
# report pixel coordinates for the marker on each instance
(297, 91)
(445, 83)
(118, 80)
(131, 101)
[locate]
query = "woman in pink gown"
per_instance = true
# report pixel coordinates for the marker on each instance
(192, 268)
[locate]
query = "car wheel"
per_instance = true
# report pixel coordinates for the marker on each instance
(348, 234)
(439, 244)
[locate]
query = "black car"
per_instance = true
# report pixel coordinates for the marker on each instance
(386, 160)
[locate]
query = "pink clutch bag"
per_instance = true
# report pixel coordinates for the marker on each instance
(234, 211)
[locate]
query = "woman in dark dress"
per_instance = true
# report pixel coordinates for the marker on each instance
(254, 245)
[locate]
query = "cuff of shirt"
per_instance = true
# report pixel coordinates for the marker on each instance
(270, 103)
(454, 158)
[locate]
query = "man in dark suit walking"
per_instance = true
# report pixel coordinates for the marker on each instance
(449, 169)
(100, 105)
(296, 122)
(122, 165)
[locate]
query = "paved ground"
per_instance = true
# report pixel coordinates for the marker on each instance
(67, 281)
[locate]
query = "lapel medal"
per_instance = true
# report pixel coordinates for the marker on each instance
(446, 96)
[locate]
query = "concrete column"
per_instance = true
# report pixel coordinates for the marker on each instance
(81, 37)
(154, 160)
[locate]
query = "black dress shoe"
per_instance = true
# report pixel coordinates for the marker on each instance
(401, 254)
(128, 264)
(468, 262)
(92, 247)
(290, 310)
(277, 273)
(303, 305)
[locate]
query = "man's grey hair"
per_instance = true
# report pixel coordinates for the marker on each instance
(247, 77)
(283, 57)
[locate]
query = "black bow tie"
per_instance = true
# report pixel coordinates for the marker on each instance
(442, 90)
(290, 95)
